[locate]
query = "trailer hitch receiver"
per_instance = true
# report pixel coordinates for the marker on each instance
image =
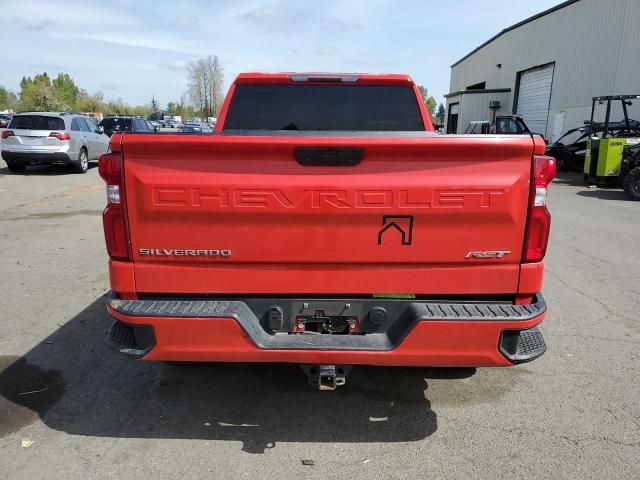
(326, 377)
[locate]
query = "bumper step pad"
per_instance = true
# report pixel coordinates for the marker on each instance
(424, 310)
(521, 346)
(132, 340)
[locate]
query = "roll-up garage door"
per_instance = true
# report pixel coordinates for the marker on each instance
(534, 92)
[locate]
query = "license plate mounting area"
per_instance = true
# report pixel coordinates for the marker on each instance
(327, 317)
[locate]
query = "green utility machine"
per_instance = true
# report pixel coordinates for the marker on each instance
(608, 141)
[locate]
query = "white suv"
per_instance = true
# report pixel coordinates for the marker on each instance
(46, 138)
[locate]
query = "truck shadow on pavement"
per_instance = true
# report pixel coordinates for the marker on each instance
(605, 194)
(74, 383)
(574, 179)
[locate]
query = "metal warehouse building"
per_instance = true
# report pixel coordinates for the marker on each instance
(548, 67)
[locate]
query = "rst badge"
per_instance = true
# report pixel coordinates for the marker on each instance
(488, 254)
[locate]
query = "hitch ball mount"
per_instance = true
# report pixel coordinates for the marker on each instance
(326, 377)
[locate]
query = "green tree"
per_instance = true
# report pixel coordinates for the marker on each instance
(37, 94)
(89, 103)
(117, 107)
(428, 100)
(440, 114)
(142, 110)
(180, 107)
(206, 76)
(65, 91)
(8, 99)
(40, 93)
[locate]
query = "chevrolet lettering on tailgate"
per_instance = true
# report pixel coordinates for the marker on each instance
(225, 198)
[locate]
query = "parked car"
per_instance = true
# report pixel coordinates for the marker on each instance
(195, 128)
(4, 120)
(125, 123)
(329, 226)
(189, 129)
(154, 126)
(46, 138)
(503, 125)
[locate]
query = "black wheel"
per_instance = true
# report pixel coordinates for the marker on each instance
(16, 167)
(82, 165)
(623, 183)
(563, 159)
(632, 184)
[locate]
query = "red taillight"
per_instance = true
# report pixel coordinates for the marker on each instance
(114, 216)
(7, 134)
(115, 233)
(60, 135)
(110, 168)
(538, 218)
(544, 169)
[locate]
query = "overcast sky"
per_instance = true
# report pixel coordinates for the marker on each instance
(137, 49)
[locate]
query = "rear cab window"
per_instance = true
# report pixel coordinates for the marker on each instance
(324, 107)
(36, 122)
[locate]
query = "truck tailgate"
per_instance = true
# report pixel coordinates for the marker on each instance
(238, 214)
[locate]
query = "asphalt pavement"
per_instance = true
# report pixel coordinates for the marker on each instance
(71, 408)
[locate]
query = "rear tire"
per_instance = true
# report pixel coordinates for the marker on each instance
(82, 165)
(16, 167)
(632, 184)
(563, 159)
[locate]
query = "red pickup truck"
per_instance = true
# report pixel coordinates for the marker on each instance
(324, 223)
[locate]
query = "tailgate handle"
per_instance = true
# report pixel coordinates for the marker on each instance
(328, 156)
